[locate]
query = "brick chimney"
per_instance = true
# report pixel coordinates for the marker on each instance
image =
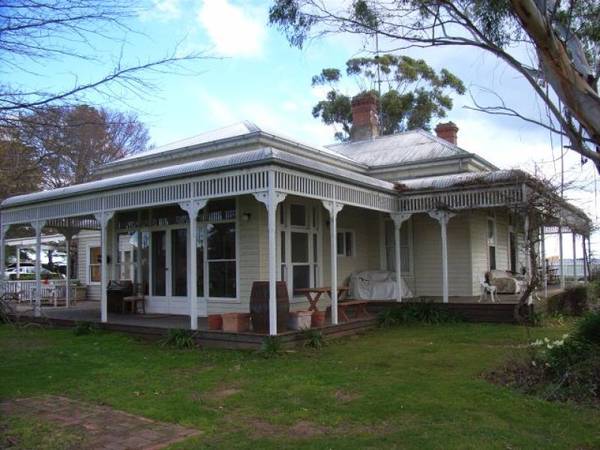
(447, 131)
(365, 122)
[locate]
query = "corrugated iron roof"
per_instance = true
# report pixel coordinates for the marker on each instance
(231, 132)
(460, 179)
(401, 148)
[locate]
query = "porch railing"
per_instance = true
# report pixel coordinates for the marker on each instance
(53, 291)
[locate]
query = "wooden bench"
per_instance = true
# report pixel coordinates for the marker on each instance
(360, 308)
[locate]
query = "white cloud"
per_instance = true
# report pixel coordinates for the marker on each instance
(233, 30)
(162, 10)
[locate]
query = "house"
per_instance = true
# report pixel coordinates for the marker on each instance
(267, 207)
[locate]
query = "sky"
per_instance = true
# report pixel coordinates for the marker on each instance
(253, 74)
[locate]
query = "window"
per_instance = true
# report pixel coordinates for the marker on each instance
(491, 241)
(95, 264)
(297, 215)
(345, 243)
(179, 262)
(159, 263)
(220, 236)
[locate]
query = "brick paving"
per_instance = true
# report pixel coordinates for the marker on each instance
(102, 427)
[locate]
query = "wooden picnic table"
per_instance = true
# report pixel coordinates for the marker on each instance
(313, 295)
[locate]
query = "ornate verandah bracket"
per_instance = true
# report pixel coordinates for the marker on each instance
(103, 217)
(332, 207)
(442, 216)
(193, 207)
(264, 198)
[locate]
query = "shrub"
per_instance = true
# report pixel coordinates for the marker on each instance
(561, 369)
(84, 328)
(588, 328)
(420, 312)
(313, 338)
(271, 346)
(573, 301)
(180, 338)
(593, 294)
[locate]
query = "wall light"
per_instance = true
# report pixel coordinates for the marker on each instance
(246, 217)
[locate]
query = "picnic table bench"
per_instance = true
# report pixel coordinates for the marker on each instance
(359, 306)
(314, 294)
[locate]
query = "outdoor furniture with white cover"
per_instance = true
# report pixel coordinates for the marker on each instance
(376, 285)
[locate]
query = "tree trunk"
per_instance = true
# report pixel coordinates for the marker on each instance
(572, 88)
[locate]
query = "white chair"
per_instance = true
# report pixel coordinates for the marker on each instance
(486, 289)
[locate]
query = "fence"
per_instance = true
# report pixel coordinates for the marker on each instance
(54, 292)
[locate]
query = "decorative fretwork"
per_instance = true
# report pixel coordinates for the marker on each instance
(321, 188)
(492, 197)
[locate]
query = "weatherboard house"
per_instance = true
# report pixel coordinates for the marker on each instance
(196, 222)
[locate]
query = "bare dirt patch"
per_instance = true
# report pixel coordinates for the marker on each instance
(102, 427)
(345, 396)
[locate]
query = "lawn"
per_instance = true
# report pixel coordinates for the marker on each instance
(407, 387)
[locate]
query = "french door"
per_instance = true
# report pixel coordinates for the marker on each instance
(168, 274)
(298, 242)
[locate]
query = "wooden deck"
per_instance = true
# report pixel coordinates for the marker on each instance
(155, 326)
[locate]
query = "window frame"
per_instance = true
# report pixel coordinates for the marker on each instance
(407, 243)
(491, 241)
(89, 264)
(345, 232)
(202, 219)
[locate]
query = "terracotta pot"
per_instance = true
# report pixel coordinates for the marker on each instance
(318, 319)
(215, 321)
(236, 322)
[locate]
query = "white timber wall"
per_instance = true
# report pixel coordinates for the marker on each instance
(428, 256)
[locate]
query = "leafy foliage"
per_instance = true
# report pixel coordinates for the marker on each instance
(572, 301)
(421, 312)
(412, 93)
(179, 338)
(271, 346)
(562, 369)
(562, 42)
(313, 338)
(84, 328)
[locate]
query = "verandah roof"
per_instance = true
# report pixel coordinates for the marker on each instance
(246, 172)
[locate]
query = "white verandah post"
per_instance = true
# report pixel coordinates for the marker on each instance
(443, 217)
(398, 219)
(103, 218)
(193, 207)
(574, 256)
(560, 256)
(3, 230)
(585, 271)
(18, 254)
(333, 208)
(544, 268)
(271, 199)
(38, 226)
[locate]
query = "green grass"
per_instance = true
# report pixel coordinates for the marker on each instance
(408, 387)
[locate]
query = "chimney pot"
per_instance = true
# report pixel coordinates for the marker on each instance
(365, 122)
(447, 131)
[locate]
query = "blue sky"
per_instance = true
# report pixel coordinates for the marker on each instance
(258, 77)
